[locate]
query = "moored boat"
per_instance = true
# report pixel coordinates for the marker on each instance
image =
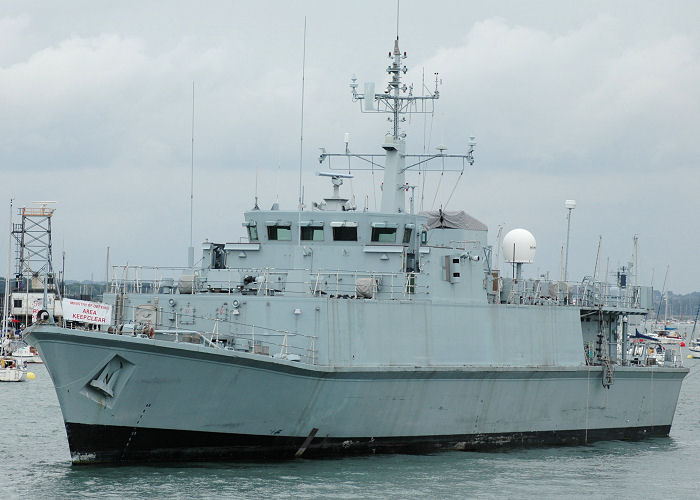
(694, 348)
(26, 353)
(12, 370)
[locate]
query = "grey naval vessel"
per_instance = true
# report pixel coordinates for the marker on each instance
(332, 331)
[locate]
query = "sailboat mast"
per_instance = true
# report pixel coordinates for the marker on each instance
(6, 304)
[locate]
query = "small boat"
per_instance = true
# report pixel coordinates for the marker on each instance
(659, 335)
(668, 335)
(694, 348)
(26, 353)
(648, 353)
(12, 370)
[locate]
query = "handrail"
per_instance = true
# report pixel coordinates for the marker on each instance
(339, 283)
(269, 281)
(588, 293)
(255, 343)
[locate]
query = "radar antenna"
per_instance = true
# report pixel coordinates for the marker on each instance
(397, 100)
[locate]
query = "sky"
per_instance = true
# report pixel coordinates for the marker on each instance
(593, 101)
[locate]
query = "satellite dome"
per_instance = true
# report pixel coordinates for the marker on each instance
(519, 246)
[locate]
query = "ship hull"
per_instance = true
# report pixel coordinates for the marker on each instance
(127, 399)
(110, 444)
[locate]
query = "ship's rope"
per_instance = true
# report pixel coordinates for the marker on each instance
(352, 187)
(374, 187)
(426, 144)
(422, 189)
(588, 399)
(437, 190)
(454, 189)
(651, 396)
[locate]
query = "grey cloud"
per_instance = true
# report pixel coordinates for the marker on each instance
(585, 101)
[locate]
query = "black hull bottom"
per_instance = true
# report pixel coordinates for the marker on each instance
(107, 444)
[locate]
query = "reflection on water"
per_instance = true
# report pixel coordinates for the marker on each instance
(33, 441)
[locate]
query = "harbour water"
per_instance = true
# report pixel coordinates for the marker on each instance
(36, 464)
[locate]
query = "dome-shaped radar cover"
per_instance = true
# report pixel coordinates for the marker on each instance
(519, 246)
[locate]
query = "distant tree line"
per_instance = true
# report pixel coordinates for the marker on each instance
(85, 290)
(683, 306)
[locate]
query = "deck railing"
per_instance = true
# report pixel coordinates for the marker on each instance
(587, 293)
(280, 344)
(269, 281)
(370, 285)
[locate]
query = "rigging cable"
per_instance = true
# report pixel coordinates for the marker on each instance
(425, 125)
(422, 189)
(426, 146)
(374, 186)
(454, 189)
(437, 190)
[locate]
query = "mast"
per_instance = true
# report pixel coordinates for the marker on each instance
(663, 290)
(397, 100)
(6, 304)
(695, 323)
(597, 258)
(107, 272)
(34, 251)
(634, 259)
(666, 296)
(393, 198)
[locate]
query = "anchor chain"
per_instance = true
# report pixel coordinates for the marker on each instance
(603, 357)
(608, 372)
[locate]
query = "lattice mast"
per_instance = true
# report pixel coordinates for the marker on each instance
(33, 248)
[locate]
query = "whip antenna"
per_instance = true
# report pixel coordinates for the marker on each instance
(301, 133)
(190, 250)
(301, 128)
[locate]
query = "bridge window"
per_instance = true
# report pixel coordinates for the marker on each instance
(311, 231)
(383, 232)
(252, 233)
(344, 231)
(252, 228)
(279, 233)
(344, 234)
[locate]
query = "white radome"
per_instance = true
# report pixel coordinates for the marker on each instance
(519, 246)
